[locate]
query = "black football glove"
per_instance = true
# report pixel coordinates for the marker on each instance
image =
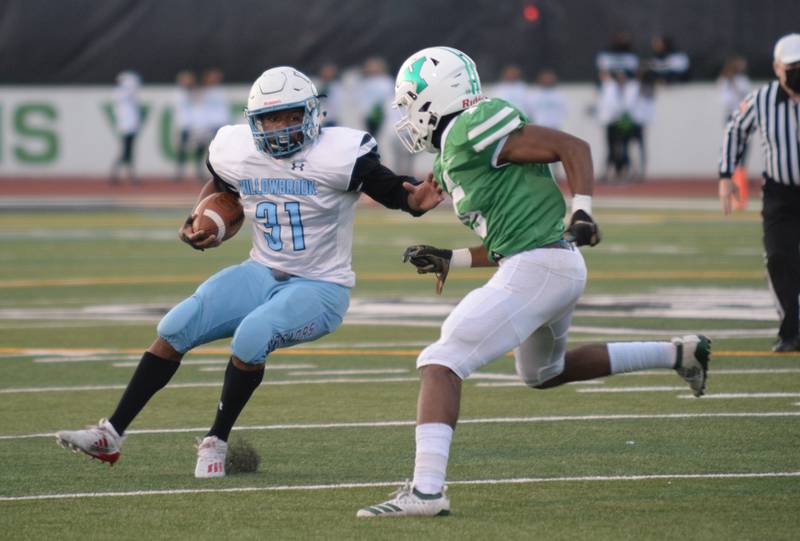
(583, 230)
(429, 259)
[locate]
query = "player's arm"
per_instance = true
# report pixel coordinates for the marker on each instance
(536, 144)
(734, 145)
(391, 190)
(200, 240)
(440, 260)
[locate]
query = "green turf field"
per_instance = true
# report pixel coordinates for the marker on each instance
(629, 457)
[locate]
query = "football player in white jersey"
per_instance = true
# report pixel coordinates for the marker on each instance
(299, 185)
(495, 166)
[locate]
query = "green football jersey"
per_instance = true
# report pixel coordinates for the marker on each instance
(512, 207)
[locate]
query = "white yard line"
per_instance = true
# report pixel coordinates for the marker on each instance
(506, 380)
(646, 389)
(486, 420)
(353, 372)
(670, 373)
(367, 345)
(112, 387)
(744, 395)
(518, 383)
(23, 390)
(719, 371)
(86, 359)
(472, 482)
(223, 364)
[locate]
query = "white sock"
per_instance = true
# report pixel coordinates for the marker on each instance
(633, 356)
(433, 448)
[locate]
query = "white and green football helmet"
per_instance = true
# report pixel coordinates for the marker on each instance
(277, 89)
(432, 83)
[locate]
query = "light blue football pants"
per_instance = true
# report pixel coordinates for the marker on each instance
(262, 313)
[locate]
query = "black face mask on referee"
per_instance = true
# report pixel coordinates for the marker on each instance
(793, 79)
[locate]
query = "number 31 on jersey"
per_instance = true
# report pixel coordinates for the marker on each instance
(268, 212)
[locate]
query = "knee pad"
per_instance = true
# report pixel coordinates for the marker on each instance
(544, 378)
(173, 326)
(251, 343)
(440, 356)
(543, 384)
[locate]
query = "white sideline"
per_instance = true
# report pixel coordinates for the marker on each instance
(486, 420)
(512, 481)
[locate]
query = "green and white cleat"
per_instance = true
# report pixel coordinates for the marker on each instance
(693, 355)
(409, 502)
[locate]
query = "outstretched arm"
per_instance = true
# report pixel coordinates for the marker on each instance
(392, 190)
(423, 196)
(734, 144)
(439, 260)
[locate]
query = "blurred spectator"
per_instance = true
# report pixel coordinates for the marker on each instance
(618, 93)
(618, 56)
(640, 100)
(128, 118)
(376, 90)
(330, 89)
(734, 85)
(512, 88)
(548, 107)
(185, 97)
(668, 64)
(211, 114)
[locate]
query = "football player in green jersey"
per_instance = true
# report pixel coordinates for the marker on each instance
(494, 165)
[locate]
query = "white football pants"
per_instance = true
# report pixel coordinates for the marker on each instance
(526, 306)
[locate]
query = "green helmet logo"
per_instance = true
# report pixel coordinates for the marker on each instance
(412, 75)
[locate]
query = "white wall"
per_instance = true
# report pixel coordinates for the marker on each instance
(59, 131)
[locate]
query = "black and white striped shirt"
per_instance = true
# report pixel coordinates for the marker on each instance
(778, 119)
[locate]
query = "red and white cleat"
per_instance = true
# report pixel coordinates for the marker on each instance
(211, 453)
(101, 442)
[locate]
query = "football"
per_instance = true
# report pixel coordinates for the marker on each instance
(219, 214)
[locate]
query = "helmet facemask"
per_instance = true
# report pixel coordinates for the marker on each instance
(414, 131)
(282, 142)
(281, 89)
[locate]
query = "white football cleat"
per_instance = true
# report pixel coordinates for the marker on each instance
(211, 453)
(409, 502)
(693, 355)
(101, 442)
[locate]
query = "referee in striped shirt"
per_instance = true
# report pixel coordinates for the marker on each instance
(775, 110)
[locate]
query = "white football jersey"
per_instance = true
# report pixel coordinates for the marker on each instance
(301, 211)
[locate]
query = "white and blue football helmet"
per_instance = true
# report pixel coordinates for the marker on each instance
(278, 89)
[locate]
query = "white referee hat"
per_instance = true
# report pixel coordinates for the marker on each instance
(787, 50)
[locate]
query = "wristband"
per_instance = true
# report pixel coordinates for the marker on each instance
(582, 202)
(461, 258)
